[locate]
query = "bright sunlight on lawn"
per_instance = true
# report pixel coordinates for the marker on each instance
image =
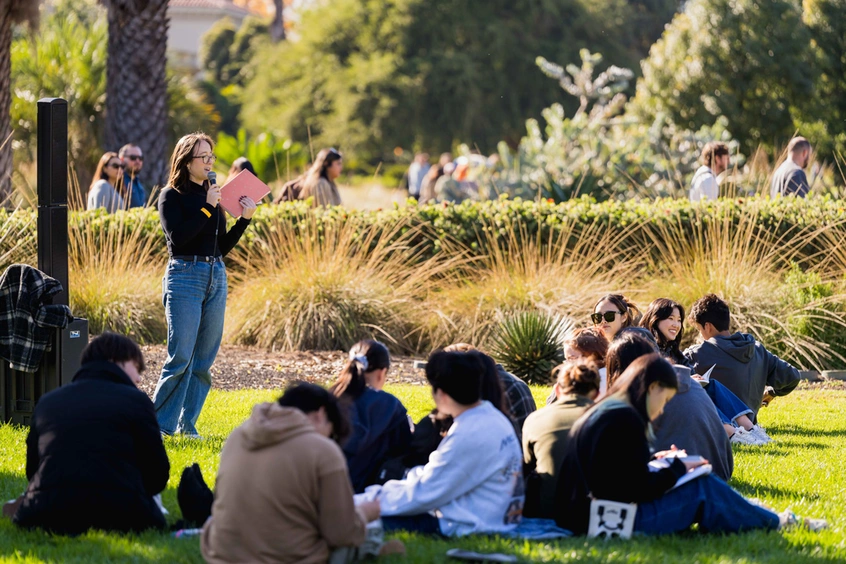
(803, 469)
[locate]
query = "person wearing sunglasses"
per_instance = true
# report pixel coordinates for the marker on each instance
(194, 288)
(106, 190)
(612, 313)
(319, 183)
(133, 160)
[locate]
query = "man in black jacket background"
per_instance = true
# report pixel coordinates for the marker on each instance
(95, 456)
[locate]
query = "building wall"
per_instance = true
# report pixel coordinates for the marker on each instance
(187, 27)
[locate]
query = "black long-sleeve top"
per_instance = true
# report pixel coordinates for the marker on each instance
(189, 226)
(608, 456)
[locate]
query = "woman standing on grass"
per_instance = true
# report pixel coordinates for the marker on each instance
(381, 429)
(104, 192)
(319, 182)
(194, 286)
(612, 313)
(608, 455)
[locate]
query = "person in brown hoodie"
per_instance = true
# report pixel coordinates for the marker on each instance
(283, 492)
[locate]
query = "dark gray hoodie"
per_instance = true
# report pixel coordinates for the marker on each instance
(743, 366)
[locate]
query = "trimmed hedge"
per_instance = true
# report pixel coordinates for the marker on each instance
(472, 225)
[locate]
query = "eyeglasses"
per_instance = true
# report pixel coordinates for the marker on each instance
(608, 316)
(207, 159)
(135, 157)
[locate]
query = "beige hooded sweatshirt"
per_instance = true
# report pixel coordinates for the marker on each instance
(283, 493)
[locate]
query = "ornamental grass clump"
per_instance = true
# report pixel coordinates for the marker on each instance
(325, 286)
(529, 344)
(116, 270)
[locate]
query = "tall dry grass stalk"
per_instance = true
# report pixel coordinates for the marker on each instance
(751, 269)
(17, 238)
(562, 272)
(115, 275)
(314, 286)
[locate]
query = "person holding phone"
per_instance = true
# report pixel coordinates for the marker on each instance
(194, 286)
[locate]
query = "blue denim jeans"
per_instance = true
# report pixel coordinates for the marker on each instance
(729, 406)
(424, 523)
(194, 296)
(708, 501)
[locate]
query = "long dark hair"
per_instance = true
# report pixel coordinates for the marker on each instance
(309, 398)
(642, 373)
(631, 314)
(365, 356)
(491, 384)
(324, 160)
(658, 311)
(624, 350)
(183, 153)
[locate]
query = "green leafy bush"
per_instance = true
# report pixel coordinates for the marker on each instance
(529, 344)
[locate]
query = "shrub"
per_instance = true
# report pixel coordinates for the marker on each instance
(529, 344)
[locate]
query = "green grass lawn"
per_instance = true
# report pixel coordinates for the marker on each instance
(803, 469)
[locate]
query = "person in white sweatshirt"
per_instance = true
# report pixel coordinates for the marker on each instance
(715, 161)
(473, 482)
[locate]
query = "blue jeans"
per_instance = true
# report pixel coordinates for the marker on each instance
(194, 296)
(424, 523)
(708, 501)
(729, 406)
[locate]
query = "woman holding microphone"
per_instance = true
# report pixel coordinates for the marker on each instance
(194, 286)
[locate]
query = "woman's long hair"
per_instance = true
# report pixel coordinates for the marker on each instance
(624, 350)
(631, 314)
(324, 160)
(183, 153)
(634, 383)
(365, 356)
(658, 311)
(100, 171)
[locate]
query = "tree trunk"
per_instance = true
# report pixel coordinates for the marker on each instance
(136, 83)
(5, 103)
(277, 27)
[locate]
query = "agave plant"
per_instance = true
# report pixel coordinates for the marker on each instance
(529, 344)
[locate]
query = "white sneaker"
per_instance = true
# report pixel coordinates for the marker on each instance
(787, 520)
(761, 434)
(743, 437)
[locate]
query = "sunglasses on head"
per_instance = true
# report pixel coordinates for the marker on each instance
(608, 316)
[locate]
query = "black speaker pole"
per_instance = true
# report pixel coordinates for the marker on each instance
(53, 192)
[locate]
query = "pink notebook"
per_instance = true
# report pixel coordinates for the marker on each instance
(242, 184)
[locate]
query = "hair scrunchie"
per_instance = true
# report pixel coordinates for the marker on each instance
(361, 360)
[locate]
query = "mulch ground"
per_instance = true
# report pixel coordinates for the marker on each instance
(238, 368)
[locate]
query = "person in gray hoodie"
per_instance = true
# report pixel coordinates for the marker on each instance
(740, 363)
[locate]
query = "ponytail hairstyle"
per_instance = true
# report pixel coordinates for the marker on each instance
(631, 314)
(365, 356)
(579, 379)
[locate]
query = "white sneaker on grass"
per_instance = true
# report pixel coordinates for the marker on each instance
(743, 437)
(788, 520)
(761, 434)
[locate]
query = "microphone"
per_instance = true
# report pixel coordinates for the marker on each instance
(212, 176)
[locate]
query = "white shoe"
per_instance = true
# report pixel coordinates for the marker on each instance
(743, 437)
(761, 434)
(788, 520)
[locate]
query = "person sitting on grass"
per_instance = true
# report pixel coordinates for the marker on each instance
(380, 425)
(665, 319)
(612, 313)
(608, 455)
(740, 363)
(520, 402)
(690, 420)
(545, 434)
(283, 493)
(586, 346)
(94, 453)
(473, 482)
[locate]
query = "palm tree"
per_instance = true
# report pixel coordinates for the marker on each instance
(277, 26)
(11, 12)
(136, 82)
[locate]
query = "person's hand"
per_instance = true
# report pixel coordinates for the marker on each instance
(768, 396)
(691, 465)
(371, 510)
(248, 206)
(213, 195)
(673, 452)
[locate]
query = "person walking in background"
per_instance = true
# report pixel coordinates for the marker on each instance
(715, 161)
(104, 191)
(133, 162)
(319, 182)
(417, 173)
(195, 286)
(427, 189)
(239, 164)
(789, 179)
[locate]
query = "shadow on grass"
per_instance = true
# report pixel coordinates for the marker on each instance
(786, 429)
(767, 491)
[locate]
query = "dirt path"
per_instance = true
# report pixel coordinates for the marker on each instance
(238, 368)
